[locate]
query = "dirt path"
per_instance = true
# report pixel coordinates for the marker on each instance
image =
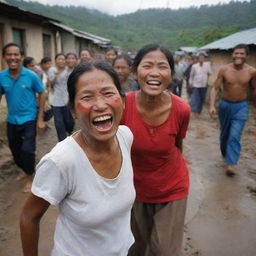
(221, 211)
(221, 218)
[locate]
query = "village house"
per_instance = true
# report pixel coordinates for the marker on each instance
(41, 36)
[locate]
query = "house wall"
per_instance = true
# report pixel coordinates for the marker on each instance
(68, 43)
(82, 44)
(219, 58)
(36, 33)
(33, 37)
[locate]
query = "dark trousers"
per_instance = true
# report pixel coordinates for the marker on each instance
(22, 143)
(177, 87)
(48, 114)
(197, 99)
(63, 120)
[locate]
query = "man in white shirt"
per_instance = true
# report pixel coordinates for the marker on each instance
(198, 81)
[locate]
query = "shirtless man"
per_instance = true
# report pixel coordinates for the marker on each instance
(233, 107)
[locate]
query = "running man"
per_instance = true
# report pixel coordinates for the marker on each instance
(233, 108)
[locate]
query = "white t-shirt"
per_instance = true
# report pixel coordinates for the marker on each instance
(58, 96)
(199, 75)
(94, 212)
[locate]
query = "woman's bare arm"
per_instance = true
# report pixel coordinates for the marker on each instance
(32, 212)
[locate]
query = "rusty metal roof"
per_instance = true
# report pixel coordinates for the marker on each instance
(247, 37)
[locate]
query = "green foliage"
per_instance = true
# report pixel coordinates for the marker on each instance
(194, 26)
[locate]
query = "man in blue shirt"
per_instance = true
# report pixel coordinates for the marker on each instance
(21, 87)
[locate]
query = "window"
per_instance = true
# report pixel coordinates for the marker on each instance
(19, 37)
(47, 46)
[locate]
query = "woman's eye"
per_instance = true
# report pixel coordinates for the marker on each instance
(108, 94)
(164, 67)
(86, 97)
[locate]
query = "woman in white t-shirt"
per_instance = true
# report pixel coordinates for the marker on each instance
(88, 175)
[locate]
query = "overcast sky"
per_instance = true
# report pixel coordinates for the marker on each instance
(115, 7)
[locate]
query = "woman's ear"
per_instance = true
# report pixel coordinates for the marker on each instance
(73, 114)
(134, 74)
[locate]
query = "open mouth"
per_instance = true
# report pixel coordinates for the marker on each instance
(12, 63)
(238, 60)
(103, 123)
(153, 83)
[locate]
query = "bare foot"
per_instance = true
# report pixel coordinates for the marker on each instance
(230, 170)
(21, 176)
(28, 184)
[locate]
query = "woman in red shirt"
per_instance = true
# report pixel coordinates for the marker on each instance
(159, 121)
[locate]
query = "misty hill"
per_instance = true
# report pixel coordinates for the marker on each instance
(195, 26)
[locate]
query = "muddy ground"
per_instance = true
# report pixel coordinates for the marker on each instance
(221, 214)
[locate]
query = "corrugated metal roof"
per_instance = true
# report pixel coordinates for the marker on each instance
(83, 34)
(243, 37)
(191, 49)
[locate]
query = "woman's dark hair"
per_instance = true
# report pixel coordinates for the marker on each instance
(71, 53)
(124, 56)
(59, 54)
(45, 60)
(89, 66)
(111, 49)
(150, 48)
(27, 61)
(89, 51)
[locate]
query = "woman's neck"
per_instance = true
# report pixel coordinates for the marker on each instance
(151, 102)
(94, 146)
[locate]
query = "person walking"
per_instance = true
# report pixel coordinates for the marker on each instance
(20, 86)
(198, 80)
(178, 76)
(192, 61)
(58, 97)
(233, 107)
(158, 120)
(45, 65)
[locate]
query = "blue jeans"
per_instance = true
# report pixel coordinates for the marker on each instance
(22, 143)
(233, 116)
(197, 99)
(63, 120)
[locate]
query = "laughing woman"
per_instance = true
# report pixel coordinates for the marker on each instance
(88, 175)
(159, 121)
